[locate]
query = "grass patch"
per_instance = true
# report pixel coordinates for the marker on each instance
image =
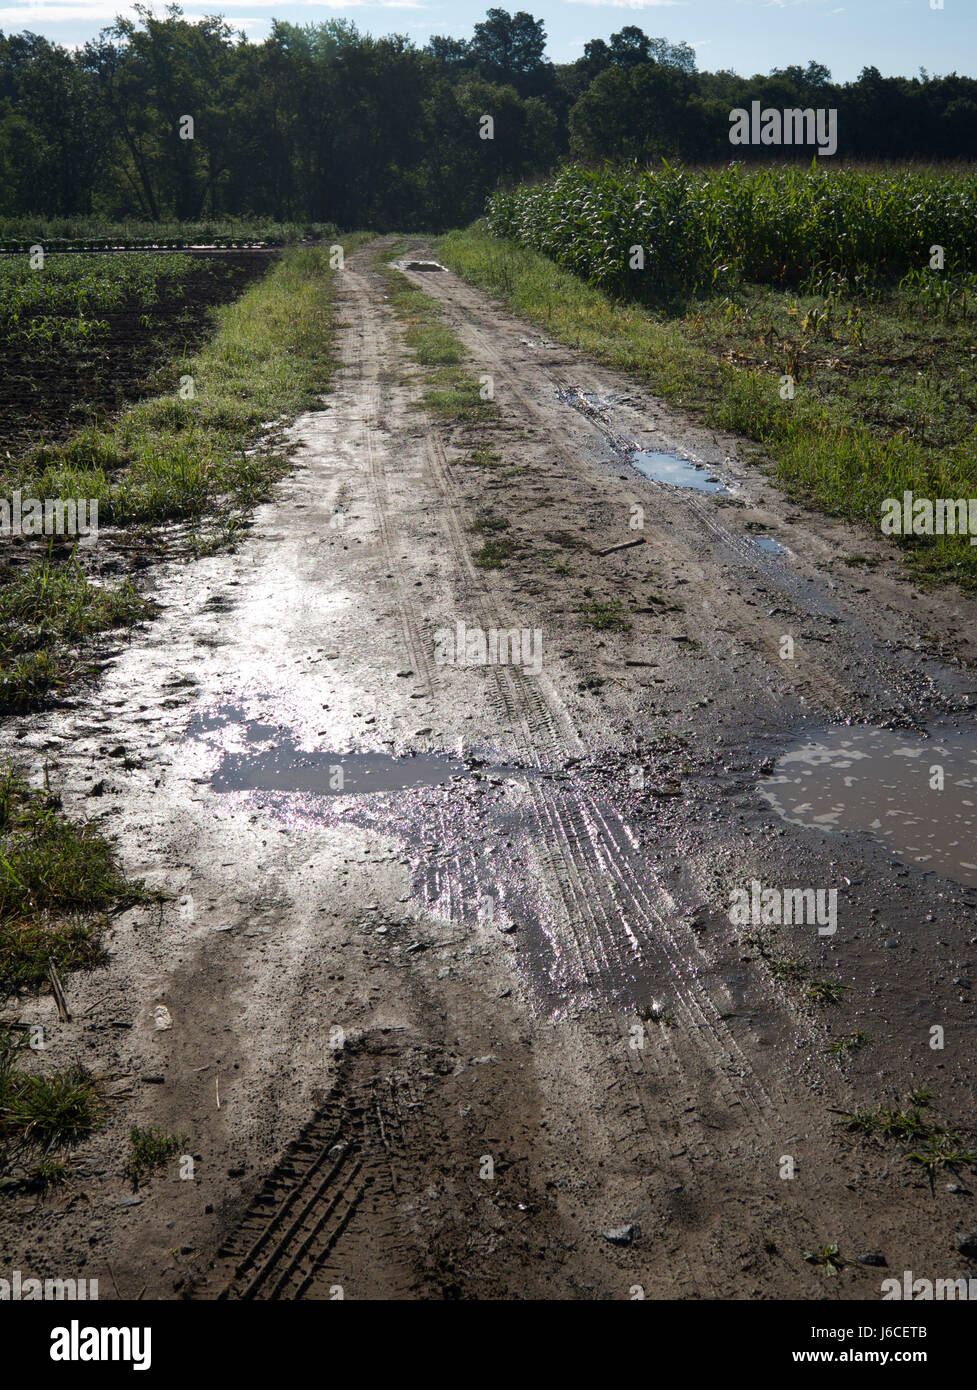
(885, 389)
(428, 339)
(929, 1144)
(852, 1042)
(495, 553)
(787, 970)
(43, 1113)
(656, 1013)
(46, 607)
(149, 1150)
(486, 523)
(825, 992)
(57, 879)
(606, 616)
(452, 393)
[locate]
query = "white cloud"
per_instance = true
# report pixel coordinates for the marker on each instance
(16, 17)
(628, 4)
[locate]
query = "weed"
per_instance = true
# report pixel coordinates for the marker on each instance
(149, 1150)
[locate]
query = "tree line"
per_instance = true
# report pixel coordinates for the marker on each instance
(322, 122)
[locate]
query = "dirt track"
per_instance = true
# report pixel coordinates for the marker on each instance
(487, 945)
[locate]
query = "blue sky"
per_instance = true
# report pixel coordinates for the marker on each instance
(897, 36)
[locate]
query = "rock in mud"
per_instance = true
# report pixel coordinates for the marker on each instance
(623, 1235)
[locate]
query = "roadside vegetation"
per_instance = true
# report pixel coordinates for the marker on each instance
(58, 880)
(202, 454)
(750, 279)
(41, 1116)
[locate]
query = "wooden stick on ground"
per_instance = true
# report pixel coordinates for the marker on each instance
(622, 545)
(64, 1013)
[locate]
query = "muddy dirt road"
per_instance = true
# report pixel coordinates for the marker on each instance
(446, 998)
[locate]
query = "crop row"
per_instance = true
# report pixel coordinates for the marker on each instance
(66, 233)
(63, 302)
(775, 225)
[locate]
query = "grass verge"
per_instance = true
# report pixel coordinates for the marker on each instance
(885, 390)
(40, 1115)
(57, 881)
(203, 454)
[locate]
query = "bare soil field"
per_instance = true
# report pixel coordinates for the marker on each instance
(49, 389)
(442, 996)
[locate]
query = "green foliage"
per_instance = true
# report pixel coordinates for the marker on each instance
(56, 879)
(48, 1112)
(149, 1150)
(781, 225)
(57, 309)
(320, 123)
(606, 616)
(887, 403)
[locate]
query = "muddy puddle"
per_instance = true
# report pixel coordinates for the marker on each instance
(768, 545)
(469, 831)
(676, 471)
(913, 793)
(417, 265)
(271, 760)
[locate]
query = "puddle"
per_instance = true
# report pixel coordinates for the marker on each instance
(769, 545)
(676, 471)
(272, 762)
(417, 265)
(883, 783)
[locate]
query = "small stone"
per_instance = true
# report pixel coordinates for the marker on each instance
(871, 1257)
(966, 1242)
(622, 1235)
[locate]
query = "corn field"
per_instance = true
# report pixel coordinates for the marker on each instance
(814, 228)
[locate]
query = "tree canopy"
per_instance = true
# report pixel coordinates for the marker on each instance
(324, 122)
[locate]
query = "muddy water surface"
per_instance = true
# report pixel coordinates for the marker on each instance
(914, 793)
